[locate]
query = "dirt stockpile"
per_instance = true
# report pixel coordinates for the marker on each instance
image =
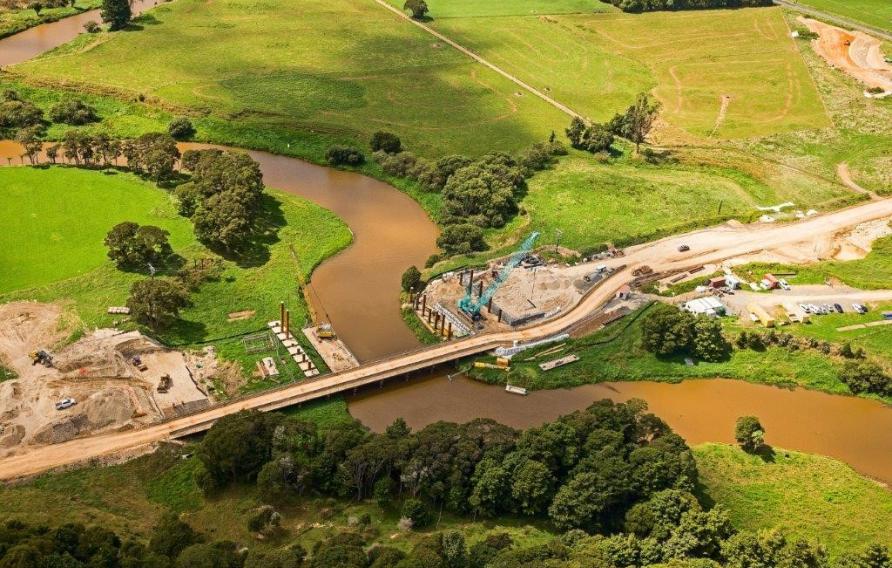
(857, 54)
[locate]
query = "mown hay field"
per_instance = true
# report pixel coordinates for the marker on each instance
(718, 73)
(340, 69)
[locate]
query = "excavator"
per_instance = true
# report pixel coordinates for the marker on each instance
(41, 357)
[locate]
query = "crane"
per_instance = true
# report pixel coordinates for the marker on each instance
(471, 306)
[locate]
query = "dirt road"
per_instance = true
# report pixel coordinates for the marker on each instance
(857, 54)
(845, 176)
(710, 245)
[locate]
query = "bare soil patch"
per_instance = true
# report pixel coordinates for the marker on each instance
(856, 53)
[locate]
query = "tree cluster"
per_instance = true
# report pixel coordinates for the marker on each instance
(74, 112)
(116, 13)
(344, 156)
(669, 331)
(866, 377)
(156, 302)
(223, 197)
(131, 245)
(181, 128)
(584, 470)
(477, 194)
(660, 5)
(153, 155)
(634, 125)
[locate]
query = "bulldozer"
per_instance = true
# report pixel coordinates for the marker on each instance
(41, 357)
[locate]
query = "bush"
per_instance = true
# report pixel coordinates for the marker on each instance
(749, 433)
(386, 142)
(399, 165)
(73, 111)
(344, 156)
(416, 511)
(866, 377)
(92, 27)
(181, 128)
(15, 113)
(461, 239)
(432, 260)
(411, 279)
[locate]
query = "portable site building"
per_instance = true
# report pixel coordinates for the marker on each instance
(709, 306)
(762, 314)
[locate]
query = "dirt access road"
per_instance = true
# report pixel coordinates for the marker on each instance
(710, 245)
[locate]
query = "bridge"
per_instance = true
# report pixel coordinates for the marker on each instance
(710, 245)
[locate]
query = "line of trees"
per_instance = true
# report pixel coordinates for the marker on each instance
(661, 5)
(634, 125)
(668, 331)
(584, 470)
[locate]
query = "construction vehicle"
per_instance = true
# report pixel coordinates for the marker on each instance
(41, 357)
(472, 307)
(137, 362)
(642, 271)
(165, 384)
(323, 328)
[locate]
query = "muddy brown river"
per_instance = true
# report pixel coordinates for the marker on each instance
(358, 289)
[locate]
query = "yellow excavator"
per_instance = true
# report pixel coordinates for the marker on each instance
(323, 328)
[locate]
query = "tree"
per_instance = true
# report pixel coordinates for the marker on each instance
(461, 239)
(131, 245)
(52, 152)
(116, 13)
(181, 128)
(30, 140)
(386, 141)
(237, 446)
(532, 487)
(37, 7)
(411, 279)
(416, 511)
(454, 550)
(749, 433)
(589, 137)
(171, 536)
(417, 7)
(223, 220)
(639, 119)
(156, 302)
(667, 330)
(216, 555)
(19, 114)
(709, 343)
(483, 193)
(73, 111)
(153, 154)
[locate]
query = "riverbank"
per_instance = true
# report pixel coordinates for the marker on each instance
(17, 21)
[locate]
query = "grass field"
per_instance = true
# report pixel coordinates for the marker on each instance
(93, 284)
(339, 72)
(625, 201)
(14, 21)
(440, 9)
(877, 13)
(42, 242)
(616, 354)
(805, 495)
(692, 59)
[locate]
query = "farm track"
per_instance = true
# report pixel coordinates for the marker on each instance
(514, 79)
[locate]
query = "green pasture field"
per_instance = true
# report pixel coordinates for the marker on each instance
(474, 9)
(877, 13)
(597, 63)
(807, 496)
(338, 72)
(624, 201)
(616, 354)
(17, 20)
(54, 221)
(258, 283)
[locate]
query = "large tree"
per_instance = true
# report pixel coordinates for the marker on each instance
(639, 119)
(418, 8)
(156, 302)
(131, 245)
(749, 433)
(116, 13)
(667, 330)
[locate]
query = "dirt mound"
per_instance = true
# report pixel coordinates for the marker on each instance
(857, 54)
(24, 327)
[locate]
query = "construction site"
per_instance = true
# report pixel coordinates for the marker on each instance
(107, 380)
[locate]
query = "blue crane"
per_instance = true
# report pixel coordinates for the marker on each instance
(472, 307)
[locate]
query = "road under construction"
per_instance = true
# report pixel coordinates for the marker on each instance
(711, 245)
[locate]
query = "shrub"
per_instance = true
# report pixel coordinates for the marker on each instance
(749, 433)
(432, 260)
(386, 142)
(15, 113)
(92, 27)
(396, 164)
(416, 511)
(411, 279)
(344, 156)
(181, 128)
(866, 377)
(73, 111)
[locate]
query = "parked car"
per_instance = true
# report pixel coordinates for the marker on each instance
(683, 248)
(784, 284)
(65, 403)
(838, 308)
(860, 308)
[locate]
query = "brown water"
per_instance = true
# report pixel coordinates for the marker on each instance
(40, 39)
(854, 430)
